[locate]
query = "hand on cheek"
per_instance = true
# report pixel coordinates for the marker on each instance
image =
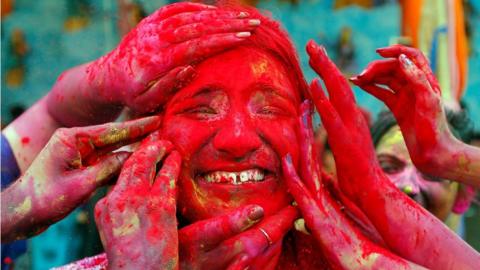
(73, 164)
(137, 219)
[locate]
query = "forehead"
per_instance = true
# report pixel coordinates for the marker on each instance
(244, 67)
(392, 143)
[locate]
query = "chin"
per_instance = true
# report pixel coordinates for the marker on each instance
(208, 194)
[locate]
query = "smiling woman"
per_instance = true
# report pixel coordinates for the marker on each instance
(226, 124)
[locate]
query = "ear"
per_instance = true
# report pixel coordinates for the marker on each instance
(465, 196)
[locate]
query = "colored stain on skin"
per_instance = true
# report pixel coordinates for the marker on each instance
(115, 135)
(25, 140)
(24, 207)
(259, 68)
(463, 162)
(128, 227)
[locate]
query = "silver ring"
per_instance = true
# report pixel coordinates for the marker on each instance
(269, 240)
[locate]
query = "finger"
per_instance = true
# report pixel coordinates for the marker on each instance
(413, 74)
(176, 8)
(305, 201)
(341, 95)
(139, 169)
(88, 138)
(159, 91)
(264, 260)
(108, 166)
(378, 68)
(197, 49)
(329, 116)
(209, 233)
(204, 16)
(240, 262)
(255, 241)
(165, 183)
(197, 30)
(309, 165)
(331, 120)
(415, 55)
(381, 93)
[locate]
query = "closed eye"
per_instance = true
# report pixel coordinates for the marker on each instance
(390, 164)
(270, 110)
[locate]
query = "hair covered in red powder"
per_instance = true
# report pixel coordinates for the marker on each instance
(270, 36)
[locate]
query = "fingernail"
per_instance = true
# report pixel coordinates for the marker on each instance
(256, 213)
(243, 34)
(306, 116)
(254, 22)
(362, 73)
(243, 14)
(185, 76)
(405, 61)
(354, 79)
(323, 50)
(187, 72)
(288, 159)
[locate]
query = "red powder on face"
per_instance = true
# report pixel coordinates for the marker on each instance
(25, 140)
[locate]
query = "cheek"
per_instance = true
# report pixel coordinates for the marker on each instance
(186, 135)
(441, 197)
(281, 136)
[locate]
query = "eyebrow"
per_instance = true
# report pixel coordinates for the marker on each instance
(276, 90)
(391, 158)
(205, 90)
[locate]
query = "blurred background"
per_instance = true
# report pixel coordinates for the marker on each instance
(40, 39)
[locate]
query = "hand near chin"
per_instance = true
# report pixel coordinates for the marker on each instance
(137, 219)
(235, 240)
(73, 164)
(413, 95)
(341, 241)
(155, 58)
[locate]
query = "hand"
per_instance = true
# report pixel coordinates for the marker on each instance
(233, 240)
(154, 59)
(341, 242)
(414, 97)
(408, 229)
(73, 164)
(137, 219)
(348, 132)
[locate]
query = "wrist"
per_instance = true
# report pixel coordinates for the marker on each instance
(75, 100)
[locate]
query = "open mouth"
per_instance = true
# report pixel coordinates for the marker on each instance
(235, 178)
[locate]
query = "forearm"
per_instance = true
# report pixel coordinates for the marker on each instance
(30, 132)
(74, 101)
(17, 209)
(411, 231)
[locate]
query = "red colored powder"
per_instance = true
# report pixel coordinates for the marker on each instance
(25, 140)
(8, 260)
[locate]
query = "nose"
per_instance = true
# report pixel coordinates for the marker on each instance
(237, 139)
(408, 181)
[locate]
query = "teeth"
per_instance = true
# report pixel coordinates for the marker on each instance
(236, 178)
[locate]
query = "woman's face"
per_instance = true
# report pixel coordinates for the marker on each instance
(232, 124)
(434, 194)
